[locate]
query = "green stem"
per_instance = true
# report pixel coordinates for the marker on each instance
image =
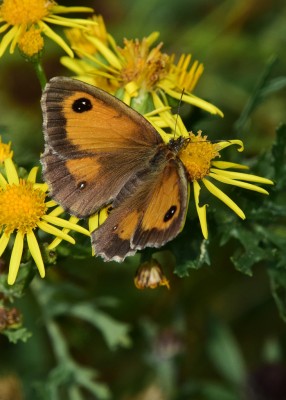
(40, 74)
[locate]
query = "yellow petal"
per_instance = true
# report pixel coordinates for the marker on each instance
(201, 210)
(7, 39)
(17, 34)
(4, 27)
(65, 224)
(227, 165)
(58, 240)
(33, 175)
(15, 258)
(11, 172)
(106, 52)
(93, 222)
(224, 144)
(55, 231)
(68, 22)
(242, 176)
(4, 240)
(234, 182)
(36, 253)
(223, 197)
(57, 211)
(194, 100)
(56, 38)
(66, 10)
(3, 181)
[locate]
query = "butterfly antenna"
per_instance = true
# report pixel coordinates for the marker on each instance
(178, 112)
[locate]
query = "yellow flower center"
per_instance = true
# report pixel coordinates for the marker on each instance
(197, 156)
(17, 12)
(5, 151)
(31, 42)
(21, 207)
(143, 66)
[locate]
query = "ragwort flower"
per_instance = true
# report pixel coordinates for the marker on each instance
(23, 23)
(136, 70)
(198, 157)
(22, 210)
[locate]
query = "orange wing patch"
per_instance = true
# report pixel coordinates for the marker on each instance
(99, 126)
(164, 205)
(85, 170)
(126, 228)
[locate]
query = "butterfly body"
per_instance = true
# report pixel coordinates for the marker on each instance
(99, 152)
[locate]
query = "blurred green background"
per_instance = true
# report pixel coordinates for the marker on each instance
(217, 334)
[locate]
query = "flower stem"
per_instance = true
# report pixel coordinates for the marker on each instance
(40, 73)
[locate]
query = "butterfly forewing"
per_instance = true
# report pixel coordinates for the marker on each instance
(94, 145)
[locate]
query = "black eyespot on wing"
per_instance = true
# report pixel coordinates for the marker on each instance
(81, 185)
(170, 213)
(109, 209)
(81, 105)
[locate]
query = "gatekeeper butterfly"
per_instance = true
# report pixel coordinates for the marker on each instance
(100, 152)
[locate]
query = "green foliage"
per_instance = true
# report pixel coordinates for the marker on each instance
(212, 331)
(18, 334)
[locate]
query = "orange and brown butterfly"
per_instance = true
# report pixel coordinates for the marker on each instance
(100, 152)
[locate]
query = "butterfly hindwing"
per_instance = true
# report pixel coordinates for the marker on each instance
(151, 215)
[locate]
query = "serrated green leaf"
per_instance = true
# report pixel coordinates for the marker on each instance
(114, 332)
(250, 253)
(16, 335)
(184, 264)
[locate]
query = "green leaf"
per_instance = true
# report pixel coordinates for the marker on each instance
(190, 252)
(256, 96)
(16, 335)
(225, 353)
(251, 251)
(274, 86)
(214, 391)
(202, 259)
(114, 332)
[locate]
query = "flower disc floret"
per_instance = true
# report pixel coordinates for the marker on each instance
(16, 12)
(21, 207)
(197, 156)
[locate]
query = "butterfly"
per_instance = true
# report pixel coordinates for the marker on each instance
(100, 152)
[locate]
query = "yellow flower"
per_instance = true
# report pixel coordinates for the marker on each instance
(83, 39)
(22, 210)
(136, 70)
(17, 17)
(150, 275)
(5, 151)
(198, 158)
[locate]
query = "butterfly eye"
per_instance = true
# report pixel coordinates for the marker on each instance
(170, 213)
(82, 105)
